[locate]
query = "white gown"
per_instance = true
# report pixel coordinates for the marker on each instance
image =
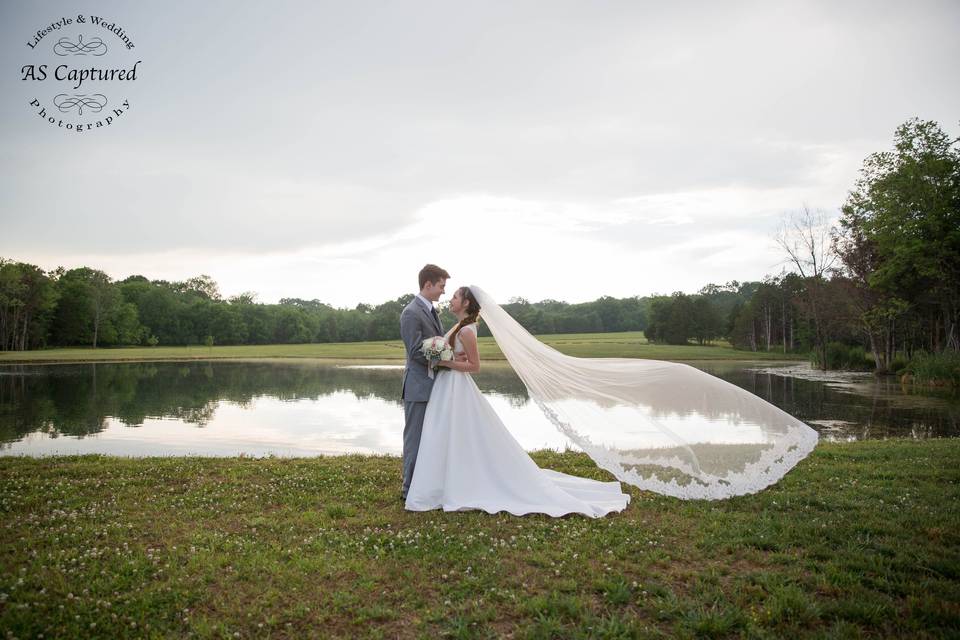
(468, 460)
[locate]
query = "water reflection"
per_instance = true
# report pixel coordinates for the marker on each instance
(849, 407)
(304, 407)
(284, 407)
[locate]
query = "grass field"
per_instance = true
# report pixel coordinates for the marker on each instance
(859, 540)
(631, 344)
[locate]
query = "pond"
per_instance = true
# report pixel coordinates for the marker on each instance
(303, 407)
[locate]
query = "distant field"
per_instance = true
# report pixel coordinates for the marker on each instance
(631, 344)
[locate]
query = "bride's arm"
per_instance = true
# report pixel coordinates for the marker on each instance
(471, 351)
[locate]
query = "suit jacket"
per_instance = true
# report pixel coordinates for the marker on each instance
(416, 325)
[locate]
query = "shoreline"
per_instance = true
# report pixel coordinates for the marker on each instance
(93, 457)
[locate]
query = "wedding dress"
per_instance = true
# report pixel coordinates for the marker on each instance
(469, 460)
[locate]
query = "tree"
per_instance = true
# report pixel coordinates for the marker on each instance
(28, 299)
(104, 299)
(671, 319)
(202, 285)
(805, 237)
(161, 310)
(247, 297)
(87, 299)
(658, 315)
(71, 321)
(611, 312)
(877, 311)
(901, 234)
(743, 329)
(706, 322)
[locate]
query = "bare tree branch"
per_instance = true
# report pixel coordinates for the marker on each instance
(805, 236)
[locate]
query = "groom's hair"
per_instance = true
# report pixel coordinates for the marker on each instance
(432, 273)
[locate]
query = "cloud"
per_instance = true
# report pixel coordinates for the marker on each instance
(317, 146)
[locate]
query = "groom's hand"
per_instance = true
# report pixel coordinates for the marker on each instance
(460, 357)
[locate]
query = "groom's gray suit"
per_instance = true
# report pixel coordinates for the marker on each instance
(417, 323)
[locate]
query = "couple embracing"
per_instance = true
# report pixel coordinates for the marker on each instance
(457, 453)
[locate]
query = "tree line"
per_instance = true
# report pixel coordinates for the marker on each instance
(85, 307)
(883, 285)
(885, 281)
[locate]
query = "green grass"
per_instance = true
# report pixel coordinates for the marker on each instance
(934, 369)
(859, 540)
(631, 344)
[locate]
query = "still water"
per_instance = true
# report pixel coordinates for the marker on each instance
(290, 407)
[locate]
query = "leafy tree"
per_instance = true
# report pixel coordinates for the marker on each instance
(706, 322)
(104, 298)
(202, 285)
(901, 235)
(122, 326)
(290, 327)
(247, 297)
(28, 300)
(672, 319)
(86, 299)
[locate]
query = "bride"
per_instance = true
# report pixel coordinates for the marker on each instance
(657, 425)
(467, 457)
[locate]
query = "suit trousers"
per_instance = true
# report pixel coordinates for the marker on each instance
(414, 412)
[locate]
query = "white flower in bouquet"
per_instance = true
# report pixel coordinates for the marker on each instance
(435, 349)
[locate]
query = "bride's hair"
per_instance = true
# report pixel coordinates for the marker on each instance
(473, 310)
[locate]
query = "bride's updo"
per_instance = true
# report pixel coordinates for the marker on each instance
(473, 311)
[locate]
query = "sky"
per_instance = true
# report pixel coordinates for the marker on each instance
(561, 150)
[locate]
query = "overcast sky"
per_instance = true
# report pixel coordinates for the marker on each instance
(539, 149)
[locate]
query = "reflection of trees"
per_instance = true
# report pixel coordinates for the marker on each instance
(77, 399)
(503, 381)
(876, 409)
(30, 400)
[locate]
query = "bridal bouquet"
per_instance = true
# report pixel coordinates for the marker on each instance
(434, 350)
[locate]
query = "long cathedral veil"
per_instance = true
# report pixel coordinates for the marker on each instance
(662, 426)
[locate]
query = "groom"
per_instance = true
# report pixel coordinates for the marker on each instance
(418, 321)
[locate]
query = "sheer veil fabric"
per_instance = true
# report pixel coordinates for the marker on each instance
(662, 426)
